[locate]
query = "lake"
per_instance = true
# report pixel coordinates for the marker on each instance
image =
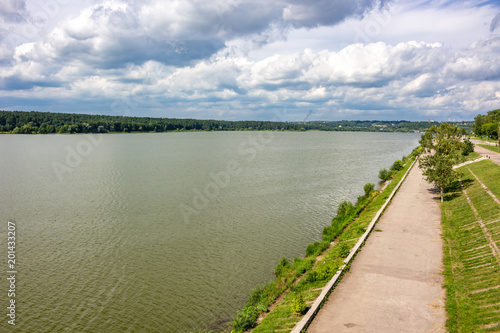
(168, 232)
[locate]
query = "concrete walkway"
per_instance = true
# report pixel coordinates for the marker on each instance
(395, 282)
(494, 157)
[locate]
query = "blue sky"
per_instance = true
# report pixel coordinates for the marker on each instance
(284, 60)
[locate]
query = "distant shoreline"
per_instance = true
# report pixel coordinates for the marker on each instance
(34, 122)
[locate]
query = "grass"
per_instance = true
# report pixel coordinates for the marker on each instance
(489, 174)
(495, 149)
(282, 318)
(472, 272)
(483, 138)
(472, 156)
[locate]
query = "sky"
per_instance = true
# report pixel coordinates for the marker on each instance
(280, 60)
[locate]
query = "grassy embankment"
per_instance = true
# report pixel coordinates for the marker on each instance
(483, 138)
(472, 264)
(298, 283)
(472, 156)
(495, 149)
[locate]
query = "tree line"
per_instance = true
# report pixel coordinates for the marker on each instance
(488, 124)
(22, 122)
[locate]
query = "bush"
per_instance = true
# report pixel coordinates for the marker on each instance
(245, 319)
(361, 201)
(311, 276)
(298, 305)
(282, 267)
(326, 271)
(368, 188)
(344, 250)
(314, 249)
(302, 265)
(469, 148)
(417, 151)
(262, 308)
(258, 296)
(397, 165)
(384, 174)
(345, 207)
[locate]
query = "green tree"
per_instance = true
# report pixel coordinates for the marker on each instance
(468, 148)
(384, 174)
(442, 146)
(491, 130)
(368, 188)
(397, 165)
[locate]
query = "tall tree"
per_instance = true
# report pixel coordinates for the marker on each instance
(442, 147)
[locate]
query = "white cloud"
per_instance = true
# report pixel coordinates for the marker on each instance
(238, 58)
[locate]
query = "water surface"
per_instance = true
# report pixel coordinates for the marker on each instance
(169, 232)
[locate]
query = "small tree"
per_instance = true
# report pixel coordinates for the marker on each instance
(298, 305)
(384, 174)
(397, 165)
(468, 148)
(442, 145)
(368, 189)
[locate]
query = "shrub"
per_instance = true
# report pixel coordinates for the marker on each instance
(261, 308)
(368, 188)
(345, 207)
(311, 276)
(397, 165)
(361, 201)
(302, 265)
(258, 296)
(327, 234)
(325, 271)
(468, 148)
(316, 248)
(311, 248)
(245, 319)
(282, 267)
(384, 174)
(344, 250)
(298, 305)
(417, 151)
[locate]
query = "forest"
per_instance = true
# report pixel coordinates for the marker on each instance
(34, 122)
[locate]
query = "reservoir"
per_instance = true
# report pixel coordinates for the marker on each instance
(168, 232)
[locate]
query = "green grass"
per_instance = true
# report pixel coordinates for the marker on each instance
(492, 148)
(472, 156)
(489, 173)
(472, 272)
(487, 208)
(483, 138)
(282, 318)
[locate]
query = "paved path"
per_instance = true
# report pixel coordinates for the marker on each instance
(475, 141)
(395, 282)
(494, 157)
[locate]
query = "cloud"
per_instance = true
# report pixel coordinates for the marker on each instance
(495, 23)
(13, 11)
(238, 59)
(113, 34)
(368, 78)
(307, 13)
